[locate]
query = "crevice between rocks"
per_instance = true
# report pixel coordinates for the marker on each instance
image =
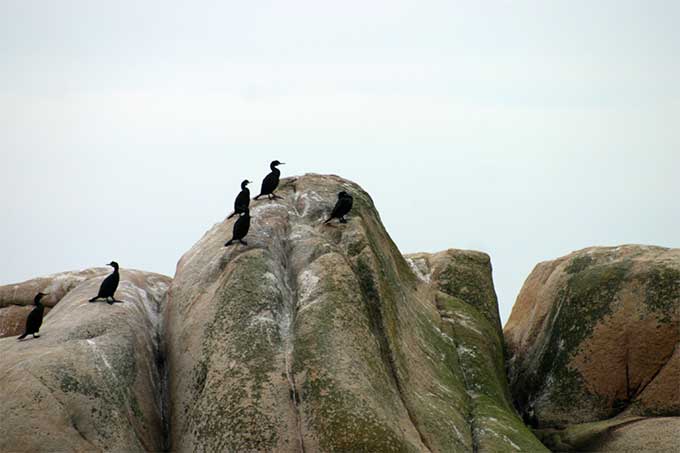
(287, 317)
(161, 365)
(641, 388)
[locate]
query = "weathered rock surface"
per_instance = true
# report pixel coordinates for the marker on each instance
(595, 334)
(91, 381)
(322, 338)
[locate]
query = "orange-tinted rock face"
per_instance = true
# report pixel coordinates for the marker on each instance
(596, 333)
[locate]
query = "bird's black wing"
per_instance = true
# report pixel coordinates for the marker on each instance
(269, 184)
(33, 321)
(341, 208)
(109, 285)
(242, 201)
(241, 227)
(336, 208)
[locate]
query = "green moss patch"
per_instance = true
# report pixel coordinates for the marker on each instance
(662, 291)
(580, 437)
(229, 400)
(468, 278)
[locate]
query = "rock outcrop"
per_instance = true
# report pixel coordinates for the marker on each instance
(595, 335)
(322, 338)
(16, 301)
(91, 382)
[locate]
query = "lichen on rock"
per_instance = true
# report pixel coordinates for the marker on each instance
(321, 338)
(595, 334)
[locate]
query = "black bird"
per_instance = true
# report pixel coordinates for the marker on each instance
(109, 286)
(271, 181)
(342, 207)
(241, 227)
(242, 200)
(35, 317)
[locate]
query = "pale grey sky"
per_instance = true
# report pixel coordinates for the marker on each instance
(526, 129)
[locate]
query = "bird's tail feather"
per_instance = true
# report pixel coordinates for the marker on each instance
(231, 215)
(22, 336)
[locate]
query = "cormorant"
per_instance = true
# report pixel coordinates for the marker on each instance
(342, 207)
(271, 181)
(35, 317)
(241, 227)
(242, 200)
(109, 286)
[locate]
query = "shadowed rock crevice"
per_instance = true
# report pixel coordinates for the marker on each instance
(289, 291)
(666, 362)
(162, 389)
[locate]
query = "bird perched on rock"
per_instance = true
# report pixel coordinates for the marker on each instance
(35, 318)
(342, 207)
(241, 227)
(271, 181)
(242, 199)
(109, 286)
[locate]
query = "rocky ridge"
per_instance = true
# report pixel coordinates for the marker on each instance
(327, 338)
(91, 382)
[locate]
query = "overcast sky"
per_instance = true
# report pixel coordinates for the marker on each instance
(525, 129)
